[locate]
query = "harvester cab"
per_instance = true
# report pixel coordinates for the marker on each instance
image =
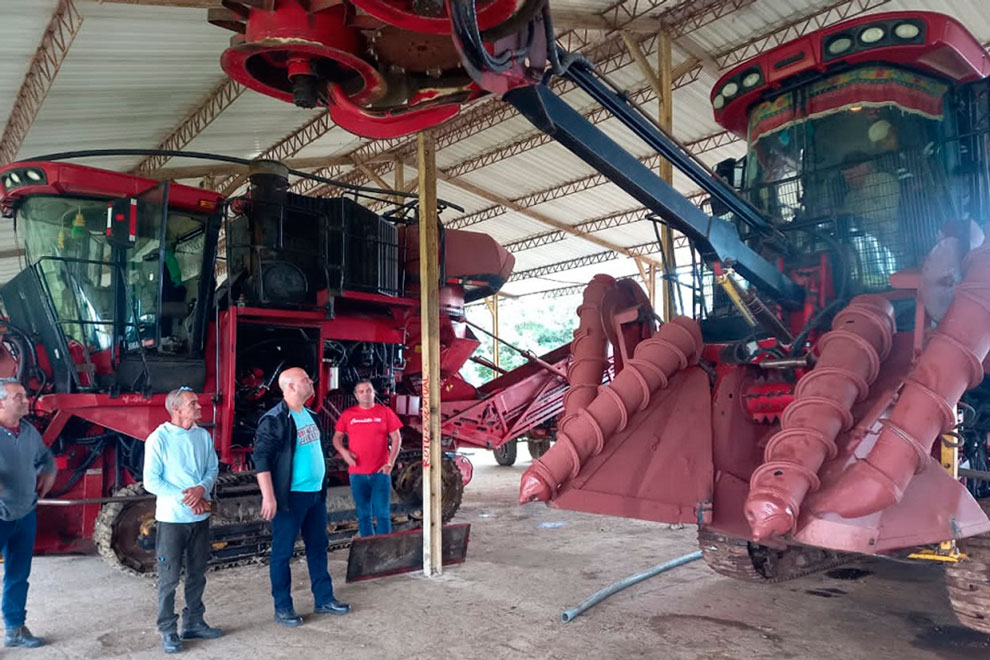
(113, 285)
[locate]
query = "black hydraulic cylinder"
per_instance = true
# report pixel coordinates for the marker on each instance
(715, 238)
(585, 78)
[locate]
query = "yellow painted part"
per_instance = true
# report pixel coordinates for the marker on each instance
(934, 555)
(946, 550)
(950, 456)
(146, 525)
(730, 290)
(219, 545)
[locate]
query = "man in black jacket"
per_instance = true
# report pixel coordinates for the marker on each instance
(290, 456)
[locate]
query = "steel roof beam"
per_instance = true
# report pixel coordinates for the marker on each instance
(289, 146)
(234, 169)
(684, 74)
(635, 251)
(221, 97)
(541, 218)
(799, 27)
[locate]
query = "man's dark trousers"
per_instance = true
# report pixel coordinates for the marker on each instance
(372, 495)
(307, 514)
(17, 541)
(175, 543)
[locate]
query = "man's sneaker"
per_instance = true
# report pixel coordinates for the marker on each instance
(288, 618)
(171, 642)
(201, 630)
(332, 607)
(22, 637)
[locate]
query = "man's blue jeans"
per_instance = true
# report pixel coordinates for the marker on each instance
(372, 498)
(17, 541)
(307, 513)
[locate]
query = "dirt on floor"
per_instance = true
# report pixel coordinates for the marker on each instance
(525, 566)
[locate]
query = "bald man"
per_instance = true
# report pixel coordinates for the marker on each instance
(290, 452)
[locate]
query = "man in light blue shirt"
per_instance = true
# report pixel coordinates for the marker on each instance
(180, 467)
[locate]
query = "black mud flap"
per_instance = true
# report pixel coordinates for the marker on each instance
(402, 552)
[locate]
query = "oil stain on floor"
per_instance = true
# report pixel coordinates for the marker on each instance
(950, 642)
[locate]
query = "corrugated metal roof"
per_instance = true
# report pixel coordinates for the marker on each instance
(250, 125)
(131, 74)
(22, 32)
(135, 71)
(9, 266)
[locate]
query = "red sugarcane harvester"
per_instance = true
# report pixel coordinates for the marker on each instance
(840, 313)
(840, 295)
(841, 303)
(132, 285)
(839, 426)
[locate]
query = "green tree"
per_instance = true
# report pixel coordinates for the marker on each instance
(528, 323)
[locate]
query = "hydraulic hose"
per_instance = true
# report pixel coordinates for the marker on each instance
(602, 594)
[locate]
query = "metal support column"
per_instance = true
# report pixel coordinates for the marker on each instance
(665, 97)
(662, 82)
(429, 270)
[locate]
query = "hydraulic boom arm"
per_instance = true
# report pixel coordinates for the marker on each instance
(513, 74)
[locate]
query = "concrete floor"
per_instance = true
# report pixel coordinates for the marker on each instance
(525, 565)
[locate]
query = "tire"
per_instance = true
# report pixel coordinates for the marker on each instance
(506, 454)
(409, 486)
(118, 532)
(537, 448)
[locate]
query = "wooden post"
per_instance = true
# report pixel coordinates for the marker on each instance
(495, 332)
(400, 179)
(662, 82)
(666, 118)
(429, 275)
(491, 302)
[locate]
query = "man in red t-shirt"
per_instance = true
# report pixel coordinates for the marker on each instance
(373, 442)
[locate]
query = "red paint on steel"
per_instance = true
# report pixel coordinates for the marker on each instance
(387, 124)
(465, 466)
(677, 345)
(588, 356)
(402, 14)
(659, 467)
(951, 363)
(766, 401)
(851, 355)
(289, 38)
(70, 179)
(947, 49)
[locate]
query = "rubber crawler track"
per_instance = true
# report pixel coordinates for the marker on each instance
(739, 559)
(340, 532)
(968, 582)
